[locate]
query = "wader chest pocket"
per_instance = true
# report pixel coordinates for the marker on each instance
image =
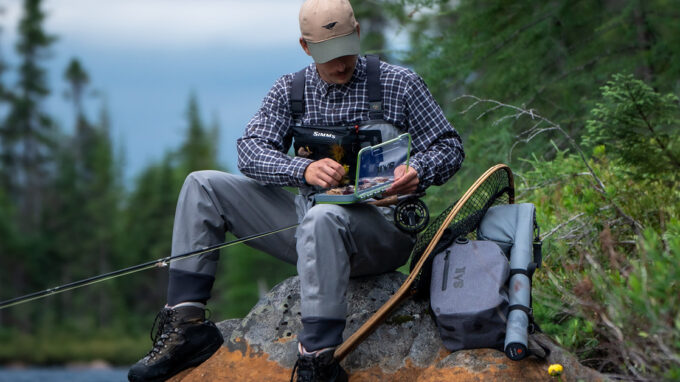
(340, 143)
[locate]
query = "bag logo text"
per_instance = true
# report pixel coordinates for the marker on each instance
(458, 277)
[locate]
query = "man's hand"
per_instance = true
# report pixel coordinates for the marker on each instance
(325, 172)
(405, 181)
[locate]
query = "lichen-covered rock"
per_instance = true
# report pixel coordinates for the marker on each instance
(406, 347)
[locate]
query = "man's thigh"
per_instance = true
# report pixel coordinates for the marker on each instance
(250, 207)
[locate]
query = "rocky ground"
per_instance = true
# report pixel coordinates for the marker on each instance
(406, 347)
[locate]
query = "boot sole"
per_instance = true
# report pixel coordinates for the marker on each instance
(199, 359)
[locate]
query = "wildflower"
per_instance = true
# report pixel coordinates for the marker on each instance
(555, 369)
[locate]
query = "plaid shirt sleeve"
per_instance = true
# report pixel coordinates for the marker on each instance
(437, 149)
(262, 148)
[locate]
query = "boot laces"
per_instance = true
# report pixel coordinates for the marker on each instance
(309, 367)
(162, 325)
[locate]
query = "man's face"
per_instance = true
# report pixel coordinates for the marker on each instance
(338, 70)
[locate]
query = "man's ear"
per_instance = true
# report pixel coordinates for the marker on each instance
(358, 30)
(304, 46)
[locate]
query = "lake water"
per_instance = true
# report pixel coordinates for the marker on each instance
(63, 375)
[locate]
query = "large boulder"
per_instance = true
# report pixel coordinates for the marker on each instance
(406, 347)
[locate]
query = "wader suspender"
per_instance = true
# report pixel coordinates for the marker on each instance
(297, 92)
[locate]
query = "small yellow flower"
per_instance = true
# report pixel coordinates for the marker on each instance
(555, 369)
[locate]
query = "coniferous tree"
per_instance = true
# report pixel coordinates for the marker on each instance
(27, 129)
(6, 231)
(85, 197)
(638, 126)
(26, 143)
(199, 149)
(77, 78)
(4, 91)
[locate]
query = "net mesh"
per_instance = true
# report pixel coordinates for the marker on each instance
(494, 190)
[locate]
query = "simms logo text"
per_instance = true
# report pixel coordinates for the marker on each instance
(325, 135)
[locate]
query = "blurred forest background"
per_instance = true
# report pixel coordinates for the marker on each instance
(579, 97)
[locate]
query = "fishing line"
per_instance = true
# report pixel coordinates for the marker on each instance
(160, 263)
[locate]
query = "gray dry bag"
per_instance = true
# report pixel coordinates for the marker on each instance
(468, 294)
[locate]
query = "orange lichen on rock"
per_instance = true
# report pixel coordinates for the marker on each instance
(408, 373)
(225, 365)
(484, 365)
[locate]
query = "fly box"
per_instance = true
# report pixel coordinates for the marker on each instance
(375, 172)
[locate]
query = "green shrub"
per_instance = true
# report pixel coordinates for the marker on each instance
(609, 291)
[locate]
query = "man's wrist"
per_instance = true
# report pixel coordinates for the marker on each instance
(416, 166)
(301, 165)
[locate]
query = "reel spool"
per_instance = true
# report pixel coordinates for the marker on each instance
(411, 215)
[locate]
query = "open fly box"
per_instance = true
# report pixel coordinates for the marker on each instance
(375, 172)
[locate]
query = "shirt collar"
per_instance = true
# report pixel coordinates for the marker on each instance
(323, 87)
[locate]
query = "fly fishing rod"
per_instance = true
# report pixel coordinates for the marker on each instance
(160, 263)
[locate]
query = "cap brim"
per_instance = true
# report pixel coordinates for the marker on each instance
(336, 47)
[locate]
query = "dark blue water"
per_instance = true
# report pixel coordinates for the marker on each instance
(63, 375)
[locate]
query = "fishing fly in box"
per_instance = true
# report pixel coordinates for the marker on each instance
(375, 172)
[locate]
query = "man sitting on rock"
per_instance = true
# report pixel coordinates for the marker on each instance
(332, 242)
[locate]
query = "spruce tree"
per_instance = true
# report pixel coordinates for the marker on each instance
(27, 130)
(4, 91)
(199, 149)
(77, 78)
(637, 126)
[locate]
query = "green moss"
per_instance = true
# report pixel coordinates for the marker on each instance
(399, 319)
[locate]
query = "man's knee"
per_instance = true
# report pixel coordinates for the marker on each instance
(213, 181)
(326, 212)
(205, 177)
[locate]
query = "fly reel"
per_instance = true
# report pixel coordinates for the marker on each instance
(411, 215)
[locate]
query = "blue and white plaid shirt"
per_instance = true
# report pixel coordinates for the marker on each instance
(437, 150)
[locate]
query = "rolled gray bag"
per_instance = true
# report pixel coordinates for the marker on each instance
(511, 226)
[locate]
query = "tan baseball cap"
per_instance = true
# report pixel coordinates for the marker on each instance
(329, 28)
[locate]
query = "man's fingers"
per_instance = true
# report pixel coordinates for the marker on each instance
(403, 176)
(324, 173)
(333, 169)
(329, 179)
(406, 181)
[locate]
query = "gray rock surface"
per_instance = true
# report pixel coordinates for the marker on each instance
(273, 323)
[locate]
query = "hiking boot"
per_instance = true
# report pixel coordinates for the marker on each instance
(184, 338)
(318, 367)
